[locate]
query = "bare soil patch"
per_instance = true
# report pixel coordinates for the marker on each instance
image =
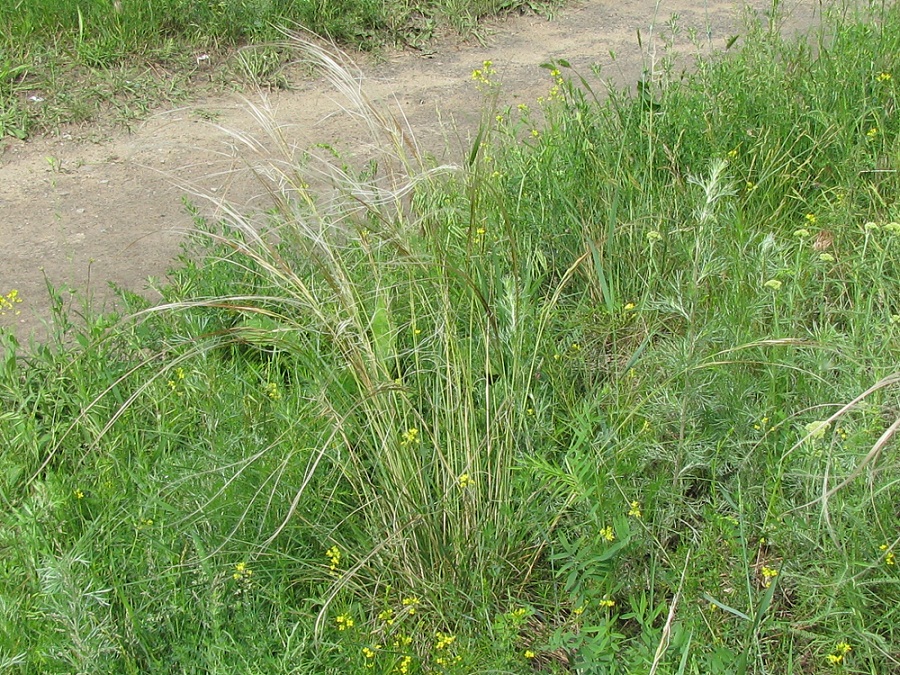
(82, 214)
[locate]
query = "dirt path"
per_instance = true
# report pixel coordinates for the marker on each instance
(84, 214)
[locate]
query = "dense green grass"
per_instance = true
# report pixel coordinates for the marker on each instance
(618, 395)
(64, 62)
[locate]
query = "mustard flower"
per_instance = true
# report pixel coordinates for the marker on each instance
(410, 437)
(344, 621)
(241, 572)
(443, 641)
(883, 77)
(607, 533)
(889, 557)
(607, 603)
(9, 301)
(768, 573)
(635, 510)
(465, 480)
(840, 651)
(334, 558)
(411, 604)
(529, 654)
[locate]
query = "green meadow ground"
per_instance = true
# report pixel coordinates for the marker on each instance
(618, 395)
(65, 62)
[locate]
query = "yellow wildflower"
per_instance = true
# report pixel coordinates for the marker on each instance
(410, 437)
(635, 510)
(768, 573)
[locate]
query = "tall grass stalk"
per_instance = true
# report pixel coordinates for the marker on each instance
(425, 355)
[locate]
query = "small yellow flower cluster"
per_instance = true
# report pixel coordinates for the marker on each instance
(144, 523)
(79, 494)
(369, 653)
(840, 651)
(173, 383)
(334, 558)
(344, 621)
(883, 77)
(607, 533)
(811, 218)
(465, 480)
(483, 75)
(272, 391)
(635, 510)
(442, 641)
(768, 573)
(607, 603)
(403, 666)
(530, 654)
(872, 133)
(241, 571)
(889, 557)
(629, 306)
(410, 437)
(411, 604)
(9, 301)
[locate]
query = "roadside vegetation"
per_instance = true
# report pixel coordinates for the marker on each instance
(617, 394)
(65, 63)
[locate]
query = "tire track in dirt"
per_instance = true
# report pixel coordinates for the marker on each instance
(85, 214)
